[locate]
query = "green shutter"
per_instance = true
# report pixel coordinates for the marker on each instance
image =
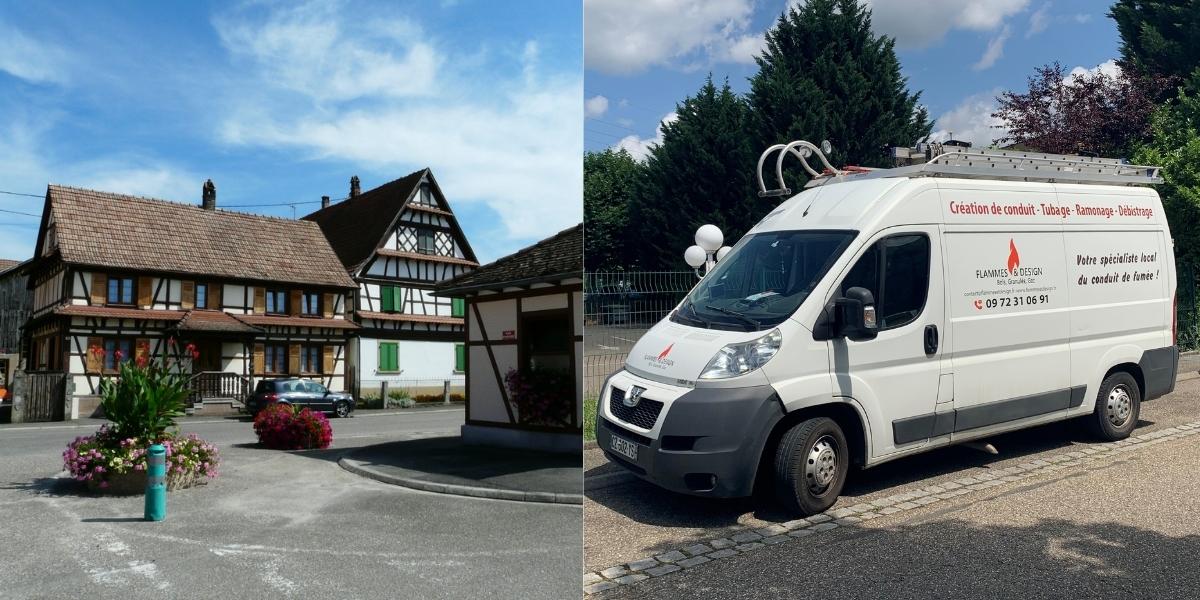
(388, 357)
(460, 357)
(458, 307)
(388, 302)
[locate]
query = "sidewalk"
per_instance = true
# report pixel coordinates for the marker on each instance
(446, 465)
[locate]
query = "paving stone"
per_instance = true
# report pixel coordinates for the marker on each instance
(966, 481)
(590, 578)
(887, 510)
(935, 489)
(746, 536)
(861, 508)
(671, 556)
(1010, 478)
(614, 572)
(722, 543)
(851, 520)
(946, 495)
(775, 539)
(821, 518)
(976, 486)
(663, 570)
(867, 516)
(799, 533)
(643, 564)
(797, 524)
(823, 527)
(841, 513)
(906, 506)
(726, 553)
(596, 588)
(696, 549)
(771, 530)
(693, 561)
(748, 547)
(928, 500)
(883, 502)
(984, 476)
(950, 485)
(628, 579)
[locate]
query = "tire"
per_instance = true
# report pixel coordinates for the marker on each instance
(1118, 404)
(811, 463)
(342, 409)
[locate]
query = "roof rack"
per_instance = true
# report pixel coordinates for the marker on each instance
(944, 160)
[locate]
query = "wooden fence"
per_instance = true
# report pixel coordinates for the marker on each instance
(45, 396)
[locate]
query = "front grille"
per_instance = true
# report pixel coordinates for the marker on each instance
(644, 415)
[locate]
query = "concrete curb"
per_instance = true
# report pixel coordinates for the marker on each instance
(362, 470)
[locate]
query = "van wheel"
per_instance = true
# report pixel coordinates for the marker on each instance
(1118, 405)
(811, 462)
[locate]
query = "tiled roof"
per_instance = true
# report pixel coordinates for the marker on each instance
(113, 312)
(214, 320)
(454, 260)
(554, 258)
(355, 227)
(6, 264)
(366, 314)
(268, 320)
(143, 234)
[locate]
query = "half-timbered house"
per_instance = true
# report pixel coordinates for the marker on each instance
(525, 336)
(256, 296)
(398, 241)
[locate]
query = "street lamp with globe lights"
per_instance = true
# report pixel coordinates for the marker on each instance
(707, 251)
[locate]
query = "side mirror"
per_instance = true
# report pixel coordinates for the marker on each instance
(855, 317)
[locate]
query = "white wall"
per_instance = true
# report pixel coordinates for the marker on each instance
(417, 360)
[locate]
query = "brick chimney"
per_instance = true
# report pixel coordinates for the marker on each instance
(354, 190)
(208, 198)
(324, 201)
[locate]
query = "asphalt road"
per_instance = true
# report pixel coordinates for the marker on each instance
(275, 524)
(1129, 529)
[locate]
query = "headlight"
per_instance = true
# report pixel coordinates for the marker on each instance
(739, 359)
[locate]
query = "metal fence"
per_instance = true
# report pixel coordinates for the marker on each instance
(618, 307)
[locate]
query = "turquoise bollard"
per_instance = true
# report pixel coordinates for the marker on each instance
(156, 483)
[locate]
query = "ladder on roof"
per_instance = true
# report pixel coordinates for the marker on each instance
(944, 160)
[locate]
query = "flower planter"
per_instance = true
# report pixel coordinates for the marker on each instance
(133, 483)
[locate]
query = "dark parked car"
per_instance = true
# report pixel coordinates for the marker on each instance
(299, 392)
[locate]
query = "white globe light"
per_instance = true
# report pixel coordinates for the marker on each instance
(709, 237)
(722, 252)
(695, 256)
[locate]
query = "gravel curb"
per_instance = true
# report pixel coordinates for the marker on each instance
(750, 539)
(359, 468)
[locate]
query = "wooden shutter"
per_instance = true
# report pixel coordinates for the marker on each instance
(93, 358)
(145, 292)
(294, 359)
(99, 289)
(294, 309)
(458, 307)
(259, 363)
(260, 300)
(187, 295)
(327, 306)
(460, 357)
(387, 298)
(214, 295)
(327, 360)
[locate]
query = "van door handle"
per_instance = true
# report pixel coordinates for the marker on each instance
(931, 340)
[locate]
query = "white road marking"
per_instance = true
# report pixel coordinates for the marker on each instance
(624, 339)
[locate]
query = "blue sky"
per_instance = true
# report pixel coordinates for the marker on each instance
(283, 102)
(642, 57)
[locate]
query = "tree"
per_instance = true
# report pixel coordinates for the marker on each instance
(824, 75)
(702, 172)
(608, 183)
(1158, 39)
(1175, 146)
(1081, 113)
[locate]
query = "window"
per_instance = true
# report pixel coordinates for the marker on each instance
(120, 290)
(310, 304)
(896, 271)
(546, 340)
(275, 356)
(310, 359)
(425, 243)
(460, 358)
(201, 295)
(426, 197)
(389, 357)
(458, 307)
(111, 347)
(313, 387)
(392, 298)
(276, 302)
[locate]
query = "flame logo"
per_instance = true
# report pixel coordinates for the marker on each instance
(666, 352)
(1014, 259)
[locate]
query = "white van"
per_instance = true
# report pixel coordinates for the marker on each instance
(884, 313)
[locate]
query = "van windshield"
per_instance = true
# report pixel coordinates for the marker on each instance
(763, 280)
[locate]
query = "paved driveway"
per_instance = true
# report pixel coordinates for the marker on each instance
(1053, 515)
(276, 524)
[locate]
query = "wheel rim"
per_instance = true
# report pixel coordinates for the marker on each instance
(1120, 406)
(820, 466)
(342, 410)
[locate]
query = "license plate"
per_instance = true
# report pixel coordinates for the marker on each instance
(625, 448)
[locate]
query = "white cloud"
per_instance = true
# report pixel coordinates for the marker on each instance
(628, 36)
(1039, 20)
(640, 147)
(29, 59)
(1108, 67)
(595, 106)
(971, 120)
(917, 24)
(495, 128)
(993, 52)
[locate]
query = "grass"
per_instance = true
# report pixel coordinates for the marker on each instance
(589, 419)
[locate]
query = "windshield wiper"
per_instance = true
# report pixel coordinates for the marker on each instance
(734, 313)
(696, 316)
